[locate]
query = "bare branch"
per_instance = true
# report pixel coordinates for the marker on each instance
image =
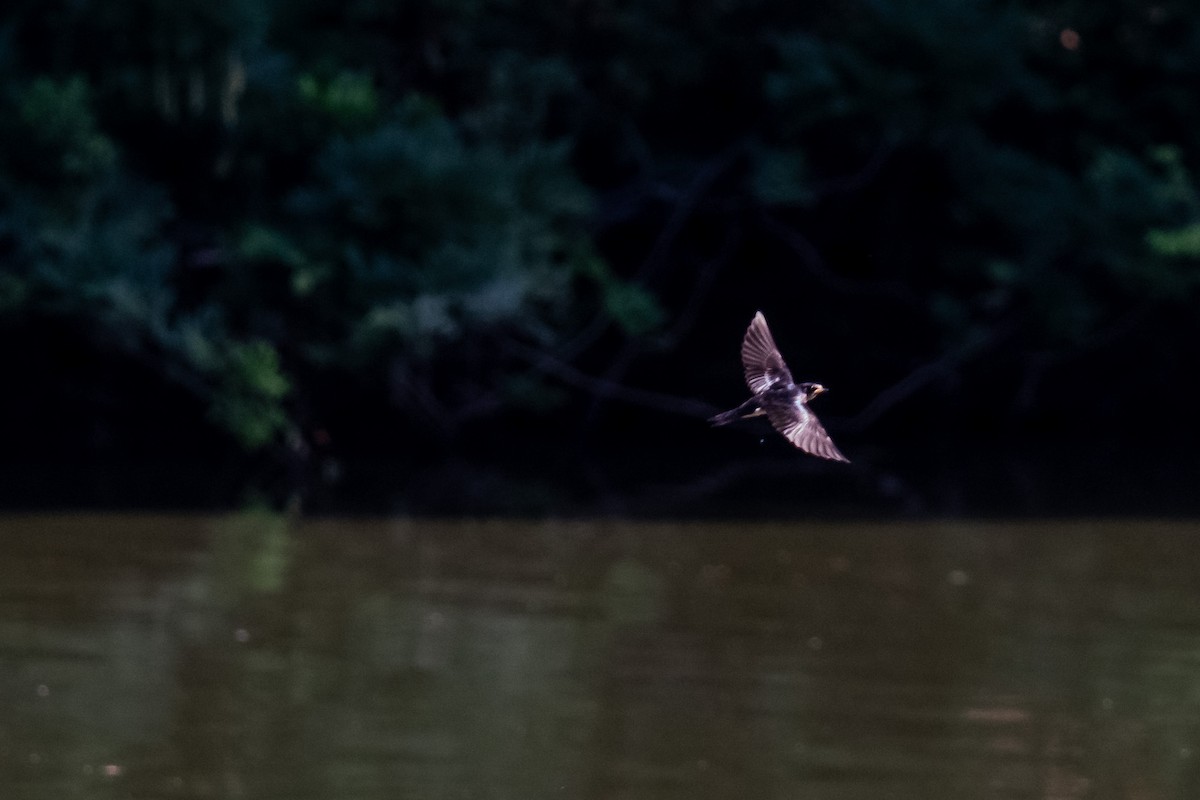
(815, 264)
(945, 366)
(600, 387)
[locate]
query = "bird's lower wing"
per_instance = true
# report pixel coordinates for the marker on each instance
(806, 433)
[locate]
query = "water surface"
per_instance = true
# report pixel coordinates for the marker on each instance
(258, 656)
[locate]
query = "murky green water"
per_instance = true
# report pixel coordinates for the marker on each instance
(252, 656)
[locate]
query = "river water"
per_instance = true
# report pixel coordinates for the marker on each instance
(259, 656)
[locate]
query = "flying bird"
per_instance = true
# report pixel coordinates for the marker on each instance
(775, 394)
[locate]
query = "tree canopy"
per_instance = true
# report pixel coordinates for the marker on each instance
(312, 220)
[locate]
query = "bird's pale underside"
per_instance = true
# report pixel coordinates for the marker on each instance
(778, 396)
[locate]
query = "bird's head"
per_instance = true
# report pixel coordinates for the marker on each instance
(811, 390)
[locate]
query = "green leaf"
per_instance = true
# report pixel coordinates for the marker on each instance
(64, 130)
(635, 310)
(251, 389)
(1181, 242)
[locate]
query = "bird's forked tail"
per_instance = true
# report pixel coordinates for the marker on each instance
(725, 417)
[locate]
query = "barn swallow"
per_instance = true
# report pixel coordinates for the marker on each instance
(775, 394)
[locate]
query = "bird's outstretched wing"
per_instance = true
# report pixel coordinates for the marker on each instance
(802, 428)
(760, 357)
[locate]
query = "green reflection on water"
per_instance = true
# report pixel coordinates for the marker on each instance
(265, 656)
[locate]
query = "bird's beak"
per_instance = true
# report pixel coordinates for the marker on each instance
(819, 390)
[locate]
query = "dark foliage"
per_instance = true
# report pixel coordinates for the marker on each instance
(377, 223)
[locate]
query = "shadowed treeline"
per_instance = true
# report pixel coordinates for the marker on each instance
(282, 236)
